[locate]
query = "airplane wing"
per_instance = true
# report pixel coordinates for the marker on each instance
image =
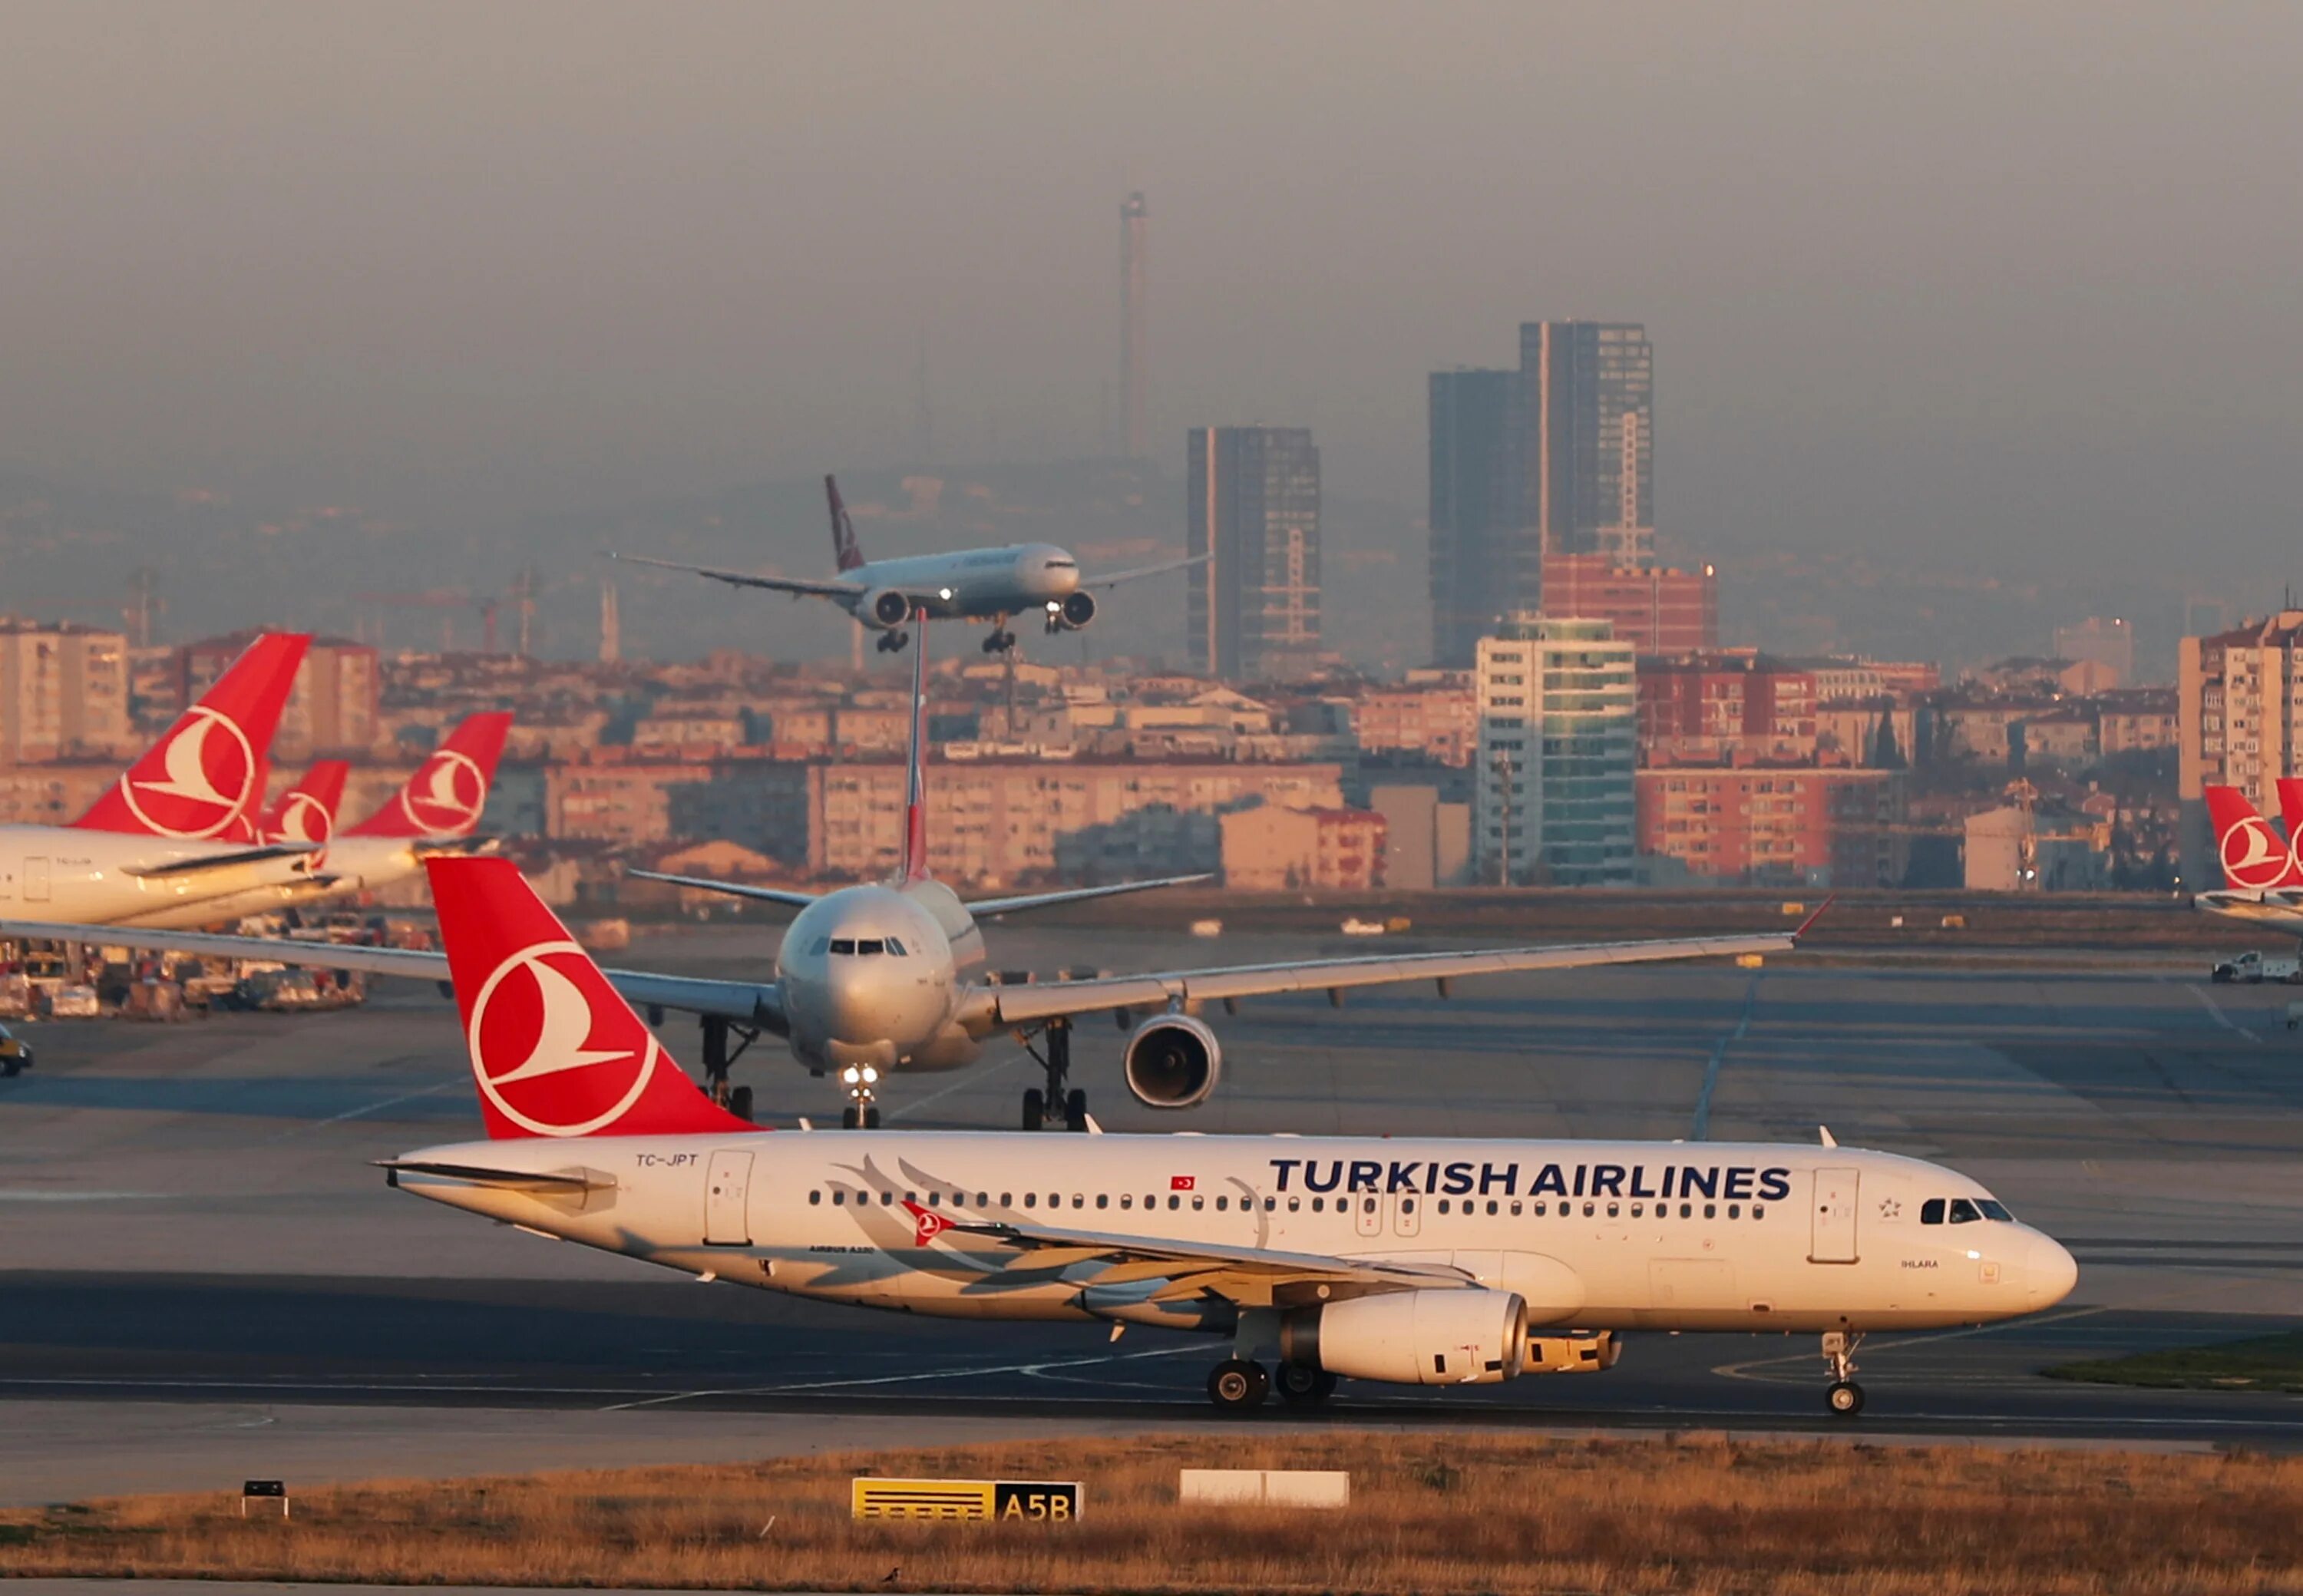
(221, 861)
(1112, 579)
(817, 587)
(745, 1003)
(788, 896)
(1249, 1276)
(985, 1008)
(1030, 901)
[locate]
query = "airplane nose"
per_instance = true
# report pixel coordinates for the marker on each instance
(2049, 1272)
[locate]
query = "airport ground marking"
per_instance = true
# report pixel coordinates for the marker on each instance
(1037, 1368)
(2214, 1010)
(976, 1079)
(462, 1078)
(1739, 1371)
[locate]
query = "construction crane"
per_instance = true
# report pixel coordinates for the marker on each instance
(451, 601)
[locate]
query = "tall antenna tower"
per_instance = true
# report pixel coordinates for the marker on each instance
(525, 587)
(611, 626)
(1134, 259)
(144, 608)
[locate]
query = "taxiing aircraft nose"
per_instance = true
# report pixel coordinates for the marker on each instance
(2049, 1271)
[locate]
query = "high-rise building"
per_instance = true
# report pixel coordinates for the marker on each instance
(1659, 610)
(1254, 608)
(1555, 799)
(1587, 419)
(2239, 714)
(64, 691)
(1482, 568)
(1135, 314)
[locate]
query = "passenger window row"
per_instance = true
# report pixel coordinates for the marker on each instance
(1963, 1210)
(841, 1197)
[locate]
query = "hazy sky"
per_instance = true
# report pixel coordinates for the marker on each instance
(1999, 281)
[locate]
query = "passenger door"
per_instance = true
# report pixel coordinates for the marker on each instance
(1831, 1239)
(1407, 1213)
(36, 881)
(727, 1192)
(1367, 1214)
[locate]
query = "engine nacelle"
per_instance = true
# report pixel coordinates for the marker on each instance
(1429, 1337)
(884, 609)
(1171, 1061)
(1075, 613)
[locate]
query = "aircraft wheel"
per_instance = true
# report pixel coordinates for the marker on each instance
(1846, 1398)
(12, 1066)
(1303, 1385)
(1076, 1110)
(1036, 1109)
(871, 1116)
(740, 1102)
(1238, 1386)
(849, 1117)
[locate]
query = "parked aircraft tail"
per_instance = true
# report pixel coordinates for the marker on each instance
(2253, 857)
(555, 1050)
(445, 795)
(2290, 810)
(206, 772)
(307, 811)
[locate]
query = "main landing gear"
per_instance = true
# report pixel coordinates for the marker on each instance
(1240, 1385)
(894, 642)
(1059, 1099)
(862, 1112)
(1844, 1395)
(718, 1057)
(1001, 639)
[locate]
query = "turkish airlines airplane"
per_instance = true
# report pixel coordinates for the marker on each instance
(885, 977)
(990, 585)
(1418, 1262)
(175, 833)
(2262, 871)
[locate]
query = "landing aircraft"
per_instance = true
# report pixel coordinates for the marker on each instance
(2261, 871)
(992, 585)
(175, 833)
(1417, 1262)
(882, 977)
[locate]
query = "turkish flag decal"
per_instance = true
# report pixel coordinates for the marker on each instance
(1180, 1183)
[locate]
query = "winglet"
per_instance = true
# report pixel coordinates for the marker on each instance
(1821, 909)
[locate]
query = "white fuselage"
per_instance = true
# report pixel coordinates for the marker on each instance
(66, 873)
(346, 867)
(848, 1000)
(2270, 910)
(1752, 1237)
(983, 584)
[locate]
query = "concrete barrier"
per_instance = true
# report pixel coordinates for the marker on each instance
(1266, 1487)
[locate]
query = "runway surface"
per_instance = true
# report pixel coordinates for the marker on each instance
(200, 1270)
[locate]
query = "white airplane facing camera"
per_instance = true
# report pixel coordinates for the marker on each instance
(887, 977)
(992, 585)
(1413, 1261)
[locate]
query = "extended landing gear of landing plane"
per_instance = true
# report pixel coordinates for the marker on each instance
(1238, 1386)
(893, 642)
(1844, 1395)
(1058, 1063)
(1000, 640)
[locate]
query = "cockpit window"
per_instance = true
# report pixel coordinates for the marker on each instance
(870, 944)
(843, 944)
(1993, 1209)
(1931, 1212)
(1964, 1212)
(895, 948)
(822, 945)
(1063, 565)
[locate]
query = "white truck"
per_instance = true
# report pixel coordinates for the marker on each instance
(2254, 968)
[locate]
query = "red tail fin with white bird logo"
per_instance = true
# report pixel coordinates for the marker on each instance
(555, 1049)
(2290, 810)
(2254, 858)
(307, 811)
(445, 795)
(207, 773)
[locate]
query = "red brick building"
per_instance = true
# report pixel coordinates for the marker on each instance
(1271, 848)
(1725, 709)
(1796, 826)
(1437, 720)
(1658, 609)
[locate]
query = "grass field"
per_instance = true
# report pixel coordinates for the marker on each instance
(1429, 1513)
(2265, 1363)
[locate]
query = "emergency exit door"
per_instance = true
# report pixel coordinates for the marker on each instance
(727, 1190)
(1832, 1238)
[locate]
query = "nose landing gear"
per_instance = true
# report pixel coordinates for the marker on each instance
(862, 1112)
(1844, 1396)
(1059, 1096)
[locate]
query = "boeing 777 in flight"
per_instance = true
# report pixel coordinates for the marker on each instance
(992, 585)
(884, 977)
(1415, 1260)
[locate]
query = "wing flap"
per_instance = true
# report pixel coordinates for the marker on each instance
(219, 861)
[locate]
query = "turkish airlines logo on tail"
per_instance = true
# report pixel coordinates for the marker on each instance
(2253, 855)
(445, 795)
(552, 1063)
(208, 772)
(304, 818)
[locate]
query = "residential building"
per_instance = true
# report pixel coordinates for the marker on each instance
(1725, 709)
(2109, 643)
(1435, 716)
(64, 692)
(2136, 720)
(2239, 705)
(2016, 849)
(1659, 610)
(1557, 702)
(1481, 567)
(1427, 840)
(335, 709)
(1254, 609)
(1761, 825)
(1271, 848)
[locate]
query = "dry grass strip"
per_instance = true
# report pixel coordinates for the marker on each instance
(1483, 1513)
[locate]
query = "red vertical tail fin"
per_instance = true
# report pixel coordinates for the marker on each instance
(207, 773)
(2254, 858)
(2291, 814)
(555, 1049)
(445, 795)
(307, 811)
(844, 549)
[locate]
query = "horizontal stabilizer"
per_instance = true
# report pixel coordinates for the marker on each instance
(582, 1180)
(221, 861)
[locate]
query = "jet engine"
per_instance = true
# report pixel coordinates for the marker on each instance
(884, 608)
(1075, 613)
(1433, 1336)
(1171, 1061)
